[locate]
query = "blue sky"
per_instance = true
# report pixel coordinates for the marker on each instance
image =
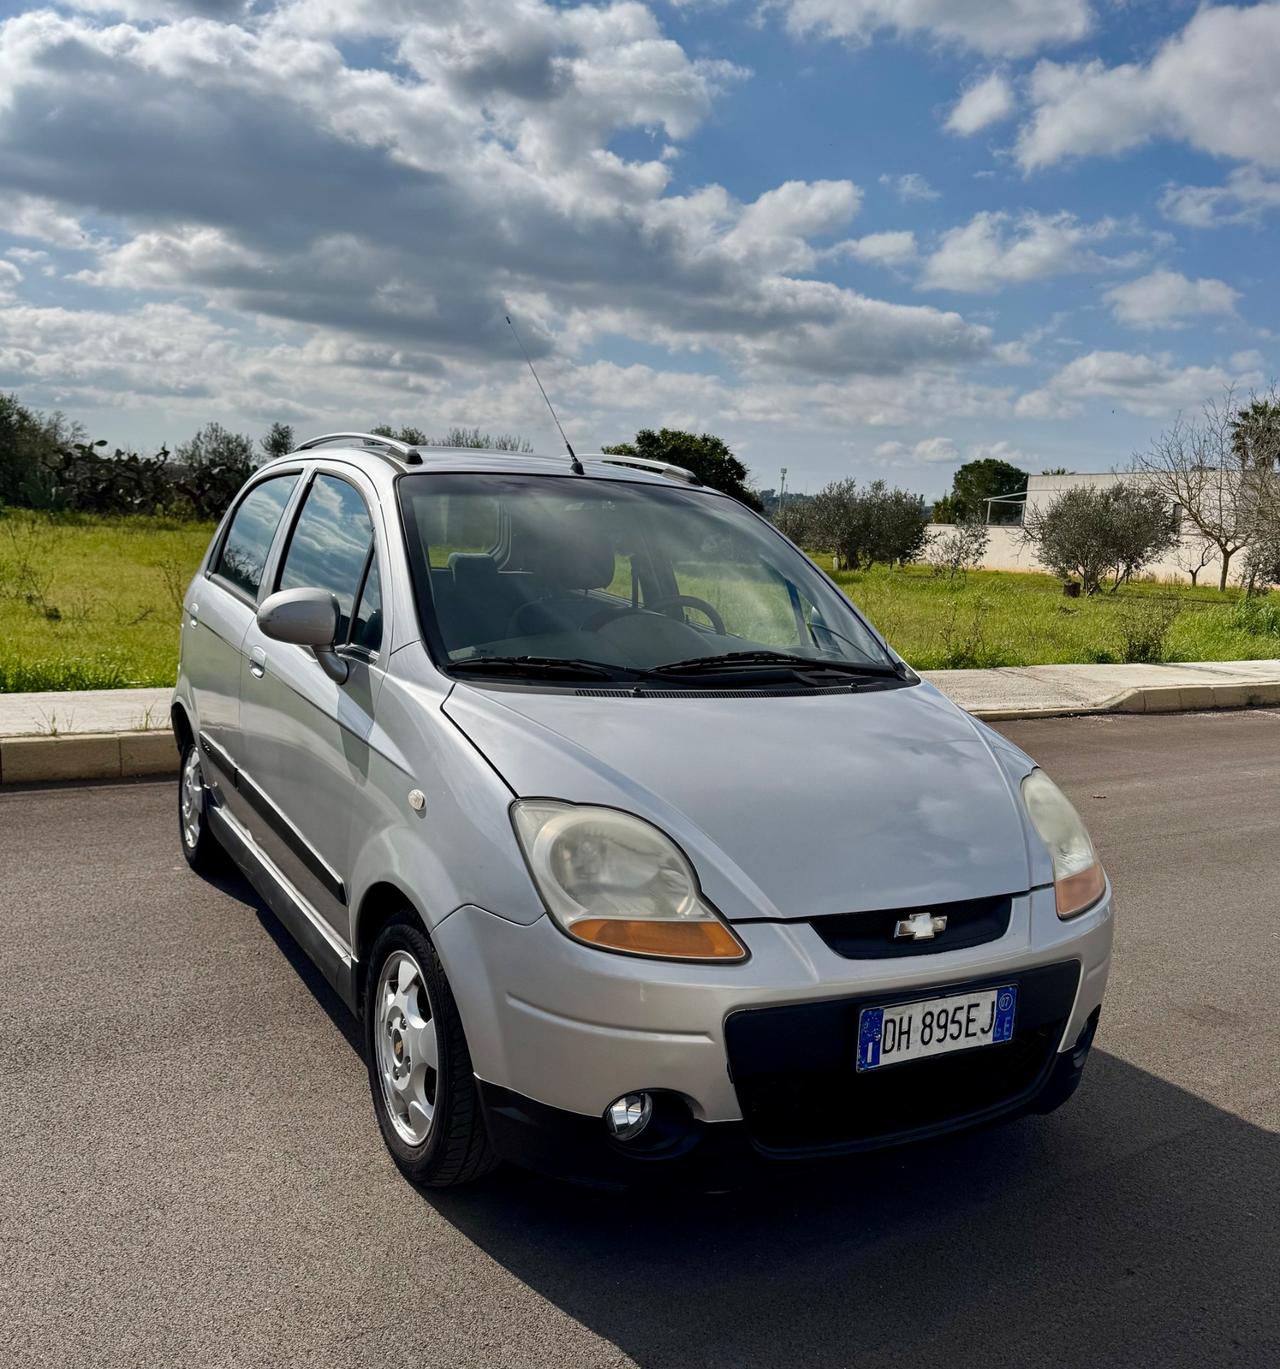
(855, 237)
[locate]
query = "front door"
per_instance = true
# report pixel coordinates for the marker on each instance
(305, 739)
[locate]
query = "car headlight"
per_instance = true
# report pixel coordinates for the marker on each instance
(1078, 879)
(613, 880)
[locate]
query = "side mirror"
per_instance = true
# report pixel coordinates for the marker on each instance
(305, 617)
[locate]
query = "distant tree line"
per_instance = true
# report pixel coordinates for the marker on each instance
(48, 462)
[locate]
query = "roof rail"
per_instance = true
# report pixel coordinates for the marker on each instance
(387, 446)
(658, 467)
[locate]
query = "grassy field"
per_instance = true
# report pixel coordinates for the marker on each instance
(1000, 618)
(92, 603)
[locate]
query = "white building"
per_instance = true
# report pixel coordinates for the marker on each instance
(1007, 551)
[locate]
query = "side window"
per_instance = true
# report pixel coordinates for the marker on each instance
(366, 631)
(253, 528)
(329, 545)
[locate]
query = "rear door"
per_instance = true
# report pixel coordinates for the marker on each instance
(305, 738)
(219, 608)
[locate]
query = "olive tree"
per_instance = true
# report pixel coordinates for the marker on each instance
(862, 527)
(211, 467)
(959, 550)
(278, 441)
(1088, 533)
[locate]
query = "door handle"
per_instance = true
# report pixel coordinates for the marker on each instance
(258, 662)
(195, 615)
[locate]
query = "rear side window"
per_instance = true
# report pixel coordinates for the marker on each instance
(330, 545)
(253, 528)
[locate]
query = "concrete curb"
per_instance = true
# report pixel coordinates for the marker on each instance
(1151, 699)
(128, 755)
(86, 756)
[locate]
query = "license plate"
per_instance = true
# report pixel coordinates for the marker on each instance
(899, 1032)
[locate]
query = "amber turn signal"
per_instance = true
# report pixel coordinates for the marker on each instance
(1077, 892)
(643, 936)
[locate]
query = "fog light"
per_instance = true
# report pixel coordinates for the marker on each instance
(627, 1117)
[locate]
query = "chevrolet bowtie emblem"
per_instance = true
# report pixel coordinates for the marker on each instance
(919, 927)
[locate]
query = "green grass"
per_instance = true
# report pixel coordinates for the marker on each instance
(92, 603)
(999, 618)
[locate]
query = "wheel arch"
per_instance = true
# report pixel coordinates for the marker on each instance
(181, 724)
(378, 905)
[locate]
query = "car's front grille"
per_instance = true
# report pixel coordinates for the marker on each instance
(800, 1091)
(870, 935)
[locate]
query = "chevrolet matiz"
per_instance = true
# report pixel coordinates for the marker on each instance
(636, 849)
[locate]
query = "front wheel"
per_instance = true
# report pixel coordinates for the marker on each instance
(199, 845)
(424, 1093)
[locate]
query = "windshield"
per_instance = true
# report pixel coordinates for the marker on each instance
(569, 574)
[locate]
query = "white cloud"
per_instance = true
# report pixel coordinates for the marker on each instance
(30, 216)
(994, 250)
(10, 277)
(1153, 386)
(478, 177)
(774, 231)
(942, 451)
(936, 450)
(998, 451)
(896, 248)
(1164, 298)
(930, 451)
(1010, 27)
(1212, 85)
(983, 104)
(1246, 195)
(911, 187)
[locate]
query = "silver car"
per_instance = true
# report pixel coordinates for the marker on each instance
(636, 849)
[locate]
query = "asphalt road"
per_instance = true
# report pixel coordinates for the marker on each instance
(191, 1174)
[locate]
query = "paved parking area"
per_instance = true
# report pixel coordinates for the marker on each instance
(192, 1176)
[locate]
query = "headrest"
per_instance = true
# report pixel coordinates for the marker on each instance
(578, 558)
(473, 571)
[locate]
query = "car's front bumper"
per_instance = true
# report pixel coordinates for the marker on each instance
(553, 1024)
(712, 1156)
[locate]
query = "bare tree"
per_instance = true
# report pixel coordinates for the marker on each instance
(1226, 493)
(1193, 554)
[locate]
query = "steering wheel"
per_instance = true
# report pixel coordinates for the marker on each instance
(609, 615)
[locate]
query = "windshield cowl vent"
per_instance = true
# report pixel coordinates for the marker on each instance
(643, 691)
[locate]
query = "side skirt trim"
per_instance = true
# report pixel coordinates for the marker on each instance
(329, 951)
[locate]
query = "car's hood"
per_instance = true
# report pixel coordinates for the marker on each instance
(789, 807)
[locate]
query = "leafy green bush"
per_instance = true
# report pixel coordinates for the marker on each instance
(1258, 614)
(1144, 629)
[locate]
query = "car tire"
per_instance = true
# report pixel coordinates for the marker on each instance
(199, 845)
(424, 1091)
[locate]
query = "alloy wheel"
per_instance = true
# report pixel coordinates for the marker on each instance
(191, 799)
(407, 1047)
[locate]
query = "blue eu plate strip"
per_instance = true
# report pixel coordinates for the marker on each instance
(869, 1033)
(1006, 1003)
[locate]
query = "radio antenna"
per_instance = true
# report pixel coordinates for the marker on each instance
(574, 464)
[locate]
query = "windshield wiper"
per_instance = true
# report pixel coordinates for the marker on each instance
(757, 660)
(545, 667)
